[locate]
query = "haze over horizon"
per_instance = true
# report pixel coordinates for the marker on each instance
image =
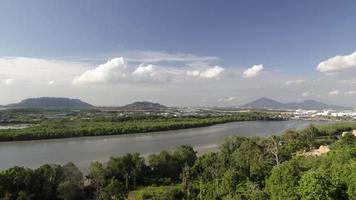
(216, 54)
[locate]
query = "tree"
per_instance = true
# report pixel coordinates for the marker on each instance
(48, 179)
(228, 147)
(351, 180)
(186, 180)
(16, 183)
(251, 161)
(163, 166)
(272, 146)
(316, 185)
(249, 190)
(229, 182)
(159, 193)
(207, 166)
(114, 190)
(185, 155)
(309, 134)
(139, 168)
(97, 175)
(72, 173)
(283, 181)
(126, 168)
(70, 191)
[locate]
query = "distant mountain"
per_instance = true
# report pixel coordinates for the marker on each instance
(51, 103)
(143, 105)
(266, 103)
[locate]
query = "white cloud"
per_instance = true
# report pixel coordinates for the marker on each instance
(117, 70)
(184, 83)
(228, 99)
(193, 73)
(144, 70)
(338, 63)
(348, 82)
(27, 71)
(351, 92)
(253, 71)
(305, 94)
(213, 72)
(111, 71)
(161, 56)
(9, 81)
(295, 82)
(334, 93)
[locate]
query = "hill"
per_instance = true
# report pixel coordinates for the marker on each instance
(143, 105)
(266, 103)
(51, 103)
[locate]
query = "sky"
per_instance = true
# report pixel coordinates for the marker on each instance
(178, 53)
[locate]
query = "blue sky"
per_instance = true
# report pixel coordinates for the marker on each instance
(288, 37)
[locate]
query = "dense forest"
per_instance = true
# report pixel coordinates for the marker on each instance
(67, 127)
(277, 167)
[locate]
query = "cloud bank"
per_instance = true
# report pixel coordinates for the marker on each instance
(253, 71)
(334, 93)
(295, 82)
(161, 56)
(172, 79)
(111, 71)
(338, 63)
(213, 72)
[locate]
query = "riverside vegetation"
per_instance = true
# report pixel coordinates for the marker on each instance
(75, 126)
(244, 168)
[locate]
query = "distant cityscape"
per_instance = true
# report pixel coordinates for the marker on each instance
(324, 114)
(59, 108)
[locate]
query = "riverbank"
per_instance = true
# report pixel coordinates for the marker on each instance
(83, 150)
(66, 128)
(147, 175)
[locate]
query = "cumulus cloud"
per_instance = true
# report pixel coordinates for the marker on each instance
(228, 99)
(118, 70)
(213, 72)
(152, 74)
(305, 94)
(9, 81)
(185, 83)
(294, 82)
(161, 56)
(338, 63)
(351, 92)
(193, 73)
(348, 82)
(253, 71)
(37, 70)
(144, 70)
(111, 71)
(334, 93)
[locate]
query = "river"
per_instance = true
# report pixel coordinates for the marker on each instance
(83, 150)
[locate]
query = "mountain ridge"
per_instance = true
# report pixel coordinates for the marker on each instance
(51, 103)
(309, 104)
(143, 105)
